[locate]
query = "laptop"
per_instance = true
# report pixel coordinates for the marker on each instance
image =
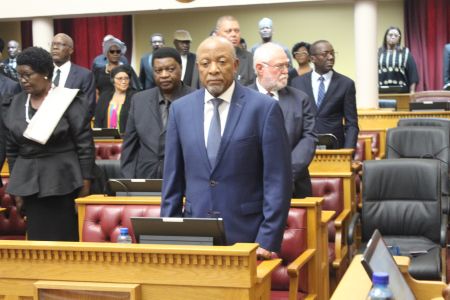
(134, 187)
(378, 258)
(106, 133)
(179, 231)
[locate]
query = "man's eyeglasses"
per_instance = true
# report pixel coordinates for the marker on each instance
(326, 54)
(115, 51)
(279, 67)
(122, 79)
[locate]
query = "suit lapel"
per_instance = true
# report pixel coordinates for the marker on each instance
(309, 91)
(330, 91)
(236, 107)
(198, 114)
(70, 77)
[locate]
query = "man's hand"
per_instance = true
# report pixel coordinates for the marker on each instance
(85, 190)
(263, 254)
(19, 204)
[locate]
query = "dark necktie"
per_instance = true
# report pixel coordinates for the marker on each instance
(321, 93)
(214, 136)
(165, 112)
(56, 80)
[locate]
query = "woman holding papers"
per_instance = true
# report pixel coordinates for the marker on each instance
(49, 147)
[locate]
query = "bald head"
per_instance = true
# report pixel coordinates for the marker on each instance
(62, 48)
(271, 66)
(228, 27)
(217, 64)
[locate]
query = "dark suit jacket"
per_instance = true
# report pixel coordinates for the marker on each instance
(59, 166)
(339, 105)
(188, 75)
(146, 72)
(8, 86)
(251, 184)
(446, 64)
(101, 111)
(299, 123)
(83, 79)
(143, 145)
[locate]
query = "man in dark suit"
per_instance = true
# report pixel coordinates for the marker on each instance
(182, 42)
(10, 63)
(229, 154)
(332, 95)
(271, 66)
(145, 134)
(146, 71)
(70, 75)
(8, 86)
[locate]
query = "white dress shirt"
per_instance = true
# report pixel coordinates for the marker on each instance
(315, 82)
(65, 69)
(183, 65)
(223, 109)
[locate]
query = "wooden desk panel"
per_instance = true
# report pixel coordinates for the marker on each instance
(402, 100)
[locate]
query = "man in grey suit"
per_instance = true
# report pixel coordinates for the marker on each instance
(332, 96)
(70, 75)
(146, 71)
(228, 27)
(271, 67)
(145, 135)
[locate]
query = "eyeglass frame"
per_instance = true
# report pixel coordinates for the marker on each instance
(279, 67)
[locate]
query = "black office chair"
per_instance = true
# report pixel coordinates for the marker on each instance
(402, 199)
(104, 170)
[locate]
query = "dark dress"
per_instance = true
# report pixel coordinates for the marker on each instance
(49, 176)
(101, 111)
(103, 80)
(397, 68)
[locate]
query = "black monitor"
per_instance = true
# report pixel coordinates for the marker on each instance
(327, 141)
(106, 133)
(179, 231)
(134, 187)
(378, 258)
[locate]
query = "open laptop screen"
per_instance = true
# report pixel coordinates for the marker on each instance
(135, 187)
(377, 258)
(179, 231)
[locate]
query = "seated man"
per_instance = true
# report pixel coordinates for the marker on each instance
(145, 134)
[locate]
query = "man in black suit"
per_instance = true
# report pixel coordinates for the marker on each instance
(146, 71)
(8, 86)
(10, 63)
(333, 96)
(70, 75)
(271, 67)
(182, 42)
(144, 141)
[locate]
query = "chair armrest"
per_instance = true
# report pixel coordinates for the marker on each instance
(352, 228)
(443, 236)
(265, 268)
(294, 267)
(341, 218)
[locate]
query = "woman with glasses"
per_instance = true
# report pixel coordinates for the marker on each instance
(113, 49)
(396, 66)
(49, 148)
(113, 105)
(300, 52)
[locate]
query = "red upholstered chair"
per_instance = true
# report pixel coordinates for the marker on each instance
(332, 191)
(377, 150)
(12, 224)
(108, 150)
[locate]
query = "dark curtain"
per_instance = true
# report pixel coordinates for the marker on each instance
(427, 30)
(87, 35)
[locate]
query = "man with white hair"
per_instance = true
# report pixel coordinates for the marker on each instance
(271, 67)
(265, 26)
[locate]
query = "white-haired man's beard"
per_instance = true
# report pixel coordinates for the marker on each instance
(275, 84)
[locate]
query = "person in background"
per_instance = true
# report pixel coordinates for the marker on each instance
(101, 60)
(10, 63)
(146, 71)
(332, 96)
(300, 52)
(446, 67)
(271, 67)
(229, 154)
(70, 75)
(47, 175)
(182, 42)
(243, 44)
(113, 49)
(113, 106)
(145, 135)
(396, 65)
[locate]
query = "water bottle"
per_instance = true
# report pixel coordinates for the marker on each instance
(380, 289)
(124, 237)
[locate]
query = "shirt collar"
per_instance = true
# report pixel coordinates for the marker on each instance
(315, 76)
(262, 90)
(65, 68)
(175, 94)
(225, 96)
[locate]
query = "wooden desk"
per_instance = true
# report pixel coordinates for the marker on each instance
(402, 99)
(356, 284)
(157, 271)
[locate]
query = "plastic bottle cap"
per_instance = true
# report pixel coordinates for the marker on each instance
(380, 278)
(123, 230)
